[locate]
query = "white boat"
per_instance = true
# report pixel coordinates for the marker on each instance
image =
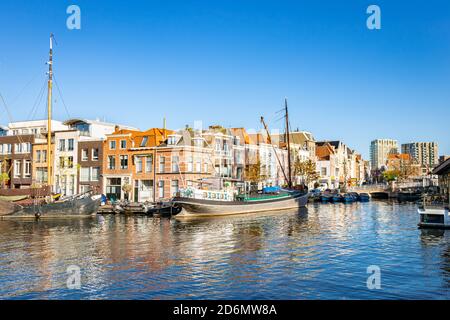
(434, 215)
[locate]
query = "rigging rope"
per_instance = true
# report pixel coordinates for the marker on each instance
(61, 96)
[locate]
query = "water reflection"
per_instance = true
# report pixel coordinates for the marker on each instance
(319, 252)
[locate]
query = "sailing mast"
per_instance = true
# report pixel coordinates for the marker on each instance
(49, 113)
(275, 151)
(288, 144)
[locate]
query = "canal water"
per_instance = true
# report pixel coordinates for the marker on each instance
(323, 252)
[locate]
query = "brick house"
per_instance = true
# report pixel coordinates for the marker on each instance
(16, 160)
(90, 166)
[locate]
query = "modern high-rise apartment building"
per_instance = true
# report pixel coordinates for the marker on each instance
(379, 151)
(424, 153)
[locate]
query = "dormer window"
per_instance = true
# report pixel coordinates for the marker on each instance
(172, 140)
(198, 142)
(144, 141)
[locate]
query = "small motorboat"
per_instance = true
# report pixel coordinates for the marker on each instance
(162, 209)
(364, 197)
(348, 198)
(326, 197)
(355, 195)
(337, 197)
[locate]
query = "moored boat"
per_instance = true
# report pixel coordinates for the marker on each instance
(326, 197)
(164, 209)
(364, 197)
(434, 213)
(337, 197)
(220, 203)
(76, 206)
(348, 198)
(355, 195)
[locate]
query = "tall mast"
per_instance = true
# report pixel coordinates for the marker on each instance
(49, 113)
(288, 144)
(269, 138)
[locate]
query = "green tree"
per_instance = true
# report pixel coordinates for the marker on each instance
(306, 169)
(391, 175)
(4, 178)
(253, 172)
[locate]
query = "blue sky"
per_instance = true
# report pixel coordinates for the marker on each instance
(229, 62)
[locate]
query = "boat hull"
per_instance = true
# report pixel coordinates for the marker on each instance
(197, 207)
(83, 207)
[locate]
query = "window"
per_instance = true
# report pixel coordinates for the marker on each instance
(123, 162)
(17, 168)
(162, 161)
(113, 188)
(70, 162)
(62, 145)
(5, 148)
(22, 147)
(44, 155)
(94, 154)
(205, 167)
(71, 185)
(84, 155)
(198, 165)
(144, 141)
(174, 188)
(38, 156)
(190, 164)
(41, 175)
(27, 169)
(61, 162)
(26, 147)
(123, 144)
(84, 174)
(161, 188)
(148, 164)
(138, 164)
(70, 144)
(112, 145)
(175, 166)
(95, 176)
(18, 148)
(324, 171)
(85, 188)
(111, 162)
(198, 142)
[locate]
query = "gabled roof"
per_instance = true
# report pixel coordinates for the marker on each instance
(323, 152)
(155, 137)
(298, 137)
(242, 134)
(335, 143)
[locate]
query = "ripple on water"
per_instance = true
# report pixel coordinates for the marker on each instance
(321, 253)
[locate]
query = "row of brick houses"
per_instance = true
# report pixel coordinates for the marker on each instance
(125, 163)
